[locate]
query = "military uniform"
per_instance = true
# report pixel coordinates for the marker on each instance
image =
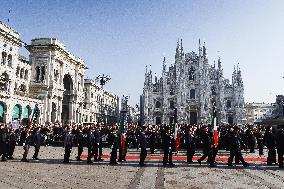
(168, 145)
(280, 146)
(80, 142)
(143, 146)
(90, 145)
(207, 144)
(269, 141)
(235, 148)
(190, 146)
(3, 143)
(68, 143)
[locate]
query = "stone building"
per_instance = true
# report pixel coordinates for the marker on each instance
(257, 112)
(52, 77)
(192, 86)
(102, 106)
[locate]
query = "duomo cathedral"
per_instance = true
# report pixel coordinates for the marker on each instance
(52, 78)
(190, 88)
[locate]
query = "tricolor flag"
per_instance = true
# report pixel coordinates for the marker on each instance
(176, 136)
(215, 127)
(33, 118)
(122, 131)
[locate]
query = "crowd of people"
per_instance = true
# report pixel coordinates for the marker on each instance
(191, 137)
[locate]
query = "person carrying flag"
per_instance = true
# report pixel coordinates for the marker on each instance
(122, 138)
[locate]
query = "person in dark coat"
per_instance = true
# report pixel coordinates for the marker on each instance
(3, 142)
(207, 145)
(98, 151)
(190, 144)
(280, 146)
(80, 142)
(152, 140)
(143, 146)
(12, 143)
(113, 140)
(168, 147)
(269, 141)
(236, 147)
(90, 144)
(37, 140)
(68, 143)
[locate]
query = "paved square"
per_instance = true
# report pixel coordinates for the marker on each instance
(49, 172)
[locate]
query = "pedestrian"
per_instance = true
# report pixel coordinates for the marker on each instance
(90, 144)
(80, 143)
(190, 144)
(26, 141)
(3, 142)
(236, 147)
(280, 146)
(143, 146)
(37, 140)
(113, 140)
(207, 145)
(68, 143)
(167, 146)
(12, 143)
(269, 141)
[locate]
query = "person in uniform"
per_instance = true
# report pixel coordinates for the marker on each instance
(3, 142)
(26, 141)
(68, 143)
(98, 151)
(37, 139)
(143, 146)
(280, 146)
(190, 144)
(12, 143)
(269, 141)
(236, 147)
(152, 140)
(90, 144)
(167, 146)
(113, 140)
(80, 142)
(207, 145)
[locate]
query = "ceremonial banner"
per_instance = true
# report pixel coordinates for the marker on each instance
(215, 127)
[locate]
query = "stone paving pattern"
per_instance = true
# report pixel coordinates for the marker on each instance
(49, 172)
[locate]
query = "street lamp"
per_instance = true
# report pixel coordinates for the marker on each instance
(103, 79)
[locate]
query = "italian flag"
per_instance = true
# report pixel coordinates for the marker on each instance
(122, 131)
(176, 136)
(215, 127)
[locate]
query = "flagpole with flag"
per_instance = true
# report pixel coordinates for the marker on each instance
(176, 132)
(215, 127)
(34, 117)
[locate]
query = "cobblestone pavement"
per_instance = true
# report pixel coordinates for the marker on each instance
(49, 172)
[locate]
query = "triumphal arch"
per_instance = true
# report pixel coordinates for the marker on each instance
(58, 79)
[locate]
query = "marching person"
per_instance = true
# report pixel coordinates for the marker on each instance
(90, 144)
(143, 146)
(280, 146)
(3, 142)
(269, 141)
(190, 144)
(167, 146)
(207, 145)
(12, 143)
(80, 142)
(26, 141)
(68, 143)
(37, 139)
(236, 147)
(113, 140)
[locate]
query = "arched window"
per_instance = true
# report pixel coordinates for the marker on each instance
(10, 60)
(229, 104)
(18, 71)
(37, 76)
(213, 90)
(192, 94)
(22, 73)
(26, 74)
(158, 104)
(4, 82)
(42, 73)
(23, 88)
(191, 73)
(4, 58)
(172, 105)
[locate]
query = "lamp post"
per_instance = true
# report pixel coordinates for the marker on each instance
(103, 79)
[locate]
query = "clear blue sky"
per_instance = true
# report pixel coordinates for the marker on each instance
(120, 37)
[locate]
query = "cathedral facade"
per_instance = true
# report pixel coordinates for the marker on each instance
(190, 88)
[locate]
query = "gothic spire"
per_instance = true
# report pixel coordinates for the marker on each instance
(177, 50)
